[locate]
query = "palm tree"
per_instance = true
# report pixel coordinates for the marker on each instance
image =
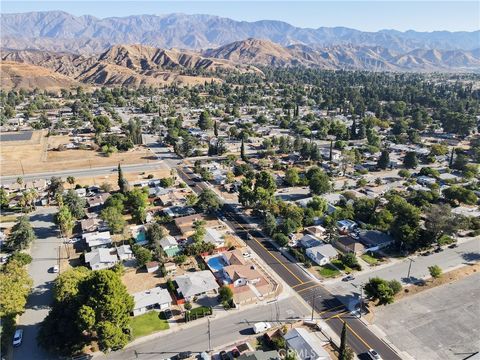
(20, 180)
(33, 196)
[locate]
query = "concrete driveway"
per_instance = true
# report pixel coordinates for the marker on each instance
(44, 252)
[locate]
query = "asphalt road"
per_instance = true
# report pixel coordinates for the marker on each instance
(235, 327)
(466, 252)
(328, 306)
(44, 252)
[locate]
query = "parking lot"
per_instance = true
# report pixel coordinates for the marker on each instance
(436, 324)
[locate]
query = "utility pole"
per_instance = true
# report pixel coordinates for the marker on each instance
(361, 300)
(209, 337)
(410, 267)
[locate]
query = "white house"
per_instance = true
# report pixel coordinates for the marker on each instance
(214, 237)
(125, 252)
(156, 298)
(321, 254)
(97, 239)
(306, 345)
(101, 258)
(194, 284)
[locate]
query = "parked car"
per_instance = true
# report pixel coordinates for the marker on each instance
(184, 355)
(168, 314)
(348, 278)
(205, 356)
(247, 255)
(18, 337)
(438, 249)
(235, 353)
(55, 269)
(374, 355)
(261, 327)
(453, 246)
(224, 356)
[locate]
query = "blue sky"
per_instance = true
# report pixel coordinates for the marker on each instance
(363, 15)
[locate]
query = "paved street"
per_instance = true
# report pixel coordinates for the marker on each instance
(328, 306)
(224, 330)
(44, 252)
(468, 251)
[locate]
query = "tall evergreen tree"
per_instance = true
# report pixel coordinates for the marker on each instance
(330, 156)
(343, 342)
(242, 151)
(215, 129)
(121, 180)
(353, 130)
(384, 159)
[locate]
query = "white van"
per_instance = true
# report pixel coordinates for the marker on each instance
(261, 327)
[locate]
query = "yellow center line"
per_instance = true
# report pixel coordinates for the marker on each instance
(331, 309)
(272, 255)
(354, 333)
(307, 288)
(307, 282)
(337, 315)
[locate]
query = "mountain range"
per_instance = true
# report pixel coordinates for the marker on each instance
(60, 31)
(56, 49)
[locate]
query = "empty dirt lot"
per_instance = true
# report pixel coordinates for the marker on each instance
(32, 156)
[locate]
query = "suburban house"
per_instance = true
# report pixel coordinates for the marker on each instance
(152, 266)
(197, 284)
(308, 241)
(125, 253)
(375, 240)
(241, 275)
(97, 239)
(156, 298)
(170, 245)
(322, 254)
(185, 224)
(178, 211)
(213, 236)
(97, 201)
(306, 345)
(170, 268)
(349, 245)
(317, 230)
(92, 225)
(346, 225)
(101, 258)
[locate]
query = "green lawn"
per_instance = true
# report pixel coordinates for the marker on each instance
(341, 266)
(370, 260)
(328, 271)
(147, 323)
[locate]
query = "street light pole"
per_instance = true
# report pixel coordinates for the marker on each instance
(410, 267)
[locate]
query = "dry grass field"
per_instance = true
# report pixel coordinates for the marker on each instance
(32, 156)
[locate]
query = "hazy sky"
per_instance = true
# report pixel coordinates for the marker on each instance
(362, 15)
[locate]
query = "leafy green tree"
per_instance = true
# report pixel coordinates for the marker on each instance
(21, 258)
(101, 124)
(55, 187)
(155, 233)
(142, 255)
(320, 183)
(136, 201)
(205, 121)
(410, 160)
(66, 284)
(75, 204)
(435, 271)
(281, 239)
(269, 223)
(384, 159)
(70, 180)
(15, 285)
(4, 198)
(117, 201)
(226, 294)
(65, 221)
(382, 290)
(114, 218)
(292, 177)
(406, 222)
(456, 194)
(208, 201)
(22, 234)
(440, 221)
